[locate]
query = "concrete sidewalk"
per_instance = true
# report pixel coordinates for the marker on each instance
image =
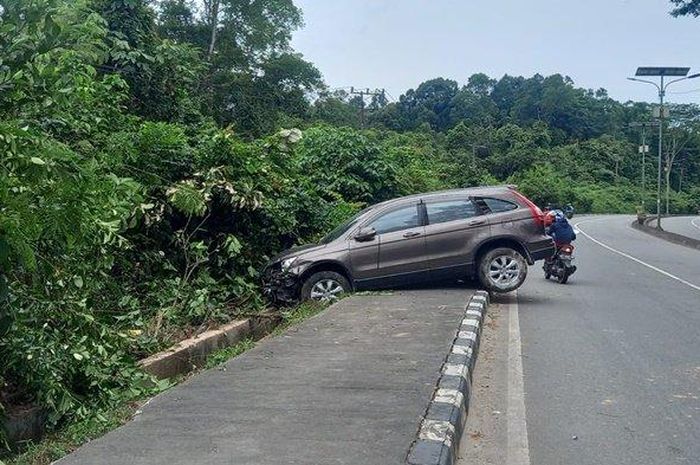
(348, 386)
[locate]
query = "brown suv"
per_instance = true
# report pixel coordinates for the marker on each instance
(490, 232)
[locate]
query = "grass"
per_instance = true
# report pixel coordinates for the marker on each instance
(223, 355)
(289, 318)
(60, 443)
(298, 314)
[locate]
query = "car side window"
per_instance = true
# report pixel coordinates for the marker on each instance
(397, 220)
(498, 205)
(450, 210)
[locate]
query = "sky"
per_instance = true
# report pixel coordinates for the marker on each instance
(397, 44)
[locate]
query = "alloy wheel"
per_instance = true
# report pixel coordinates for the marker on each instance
(326, 290)
(504, 270)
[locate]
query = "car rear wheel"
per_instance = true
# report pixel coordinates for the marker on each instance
(502, 270)
(325, 286)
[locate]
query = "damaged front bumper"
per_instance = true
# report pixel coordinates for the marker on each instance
(279, 286)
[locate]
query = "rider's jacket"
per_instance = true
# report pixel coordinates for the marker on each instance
(561, 231)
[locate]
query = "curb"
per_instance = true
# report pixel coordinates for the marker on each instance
(674, 238)
(442, 426)
(186, 355)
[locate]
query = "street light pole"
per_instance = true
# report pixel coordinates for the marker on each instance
(662, 91)
(662, 72)
(644, 166)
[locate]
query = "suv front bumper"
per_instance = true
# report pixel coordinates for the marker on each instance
(280, 287)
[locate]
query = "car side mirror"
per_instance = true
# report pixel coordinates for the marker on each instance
(365, 235)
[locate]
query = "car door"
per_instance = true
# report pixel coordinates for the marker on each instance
(364, 260)
(455, 227)
(401, 238)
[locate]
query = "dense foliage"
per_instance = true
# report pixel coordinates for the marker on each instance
(685, 8)
(152, 155)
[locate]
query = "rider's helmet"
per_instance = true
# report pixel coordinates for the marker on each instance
(549, 218)
(553, 216)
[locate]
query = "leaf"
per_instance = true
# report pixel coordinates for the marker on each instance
(77, 356)
(37, 161)
(78, 281)
(232, 245)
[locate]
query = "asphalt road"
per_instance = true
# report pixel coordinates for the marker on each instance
(610, 362)
(688, 226)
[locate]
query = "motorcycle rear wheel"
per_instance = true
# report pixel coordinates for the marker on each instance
(563, 278)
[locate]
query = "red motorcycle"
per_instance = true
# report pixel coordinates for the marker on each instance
(561, 265)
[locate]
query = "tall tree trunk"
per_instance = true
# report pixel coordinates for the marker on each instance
(214, 19)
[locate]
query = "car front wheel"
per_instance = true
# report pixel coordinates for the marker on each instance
(502, 270)
(324, 286)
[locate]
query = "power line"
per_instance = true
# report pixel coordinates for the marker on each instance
(391, 97)
(366, 93)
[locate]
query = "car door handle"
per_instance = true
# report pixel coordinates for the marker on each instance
(476, 222)
(411, 234)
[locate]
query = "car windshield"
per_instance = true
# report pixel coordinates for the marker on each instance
(343, 227)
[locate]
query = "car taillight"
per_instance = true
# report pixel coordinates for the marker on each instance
(537, 214)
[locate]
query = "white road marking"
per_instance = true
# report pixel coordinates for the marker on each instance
(518, 452)
(635, 259)
(693, 222)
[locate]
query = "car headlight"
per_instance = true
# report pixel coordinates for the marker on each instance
(288, 263)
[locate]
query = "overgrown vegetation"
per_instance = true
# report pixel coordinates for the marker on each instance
(154, 154)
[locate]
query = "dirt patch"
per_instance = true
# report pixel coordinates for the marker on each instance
(486, 422)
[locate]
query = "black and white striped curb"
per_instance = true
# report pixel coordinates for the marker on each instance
(442, 426)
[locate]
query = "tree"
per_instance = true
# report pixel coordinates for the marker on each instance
(345, 162)
(254, 104)
(680, 143)
(480, 85)
(473, 103)
(429, 103)
(253, 78)
(334, 108)
(686, 8)
(163, 76)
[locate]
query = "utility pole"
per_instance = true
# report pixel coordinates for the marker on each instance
(366, 93)
(643, 149)
(662, 93)
(661, 72)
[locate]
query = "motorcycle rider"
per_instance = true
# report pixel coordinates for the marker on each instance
(557, 226)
